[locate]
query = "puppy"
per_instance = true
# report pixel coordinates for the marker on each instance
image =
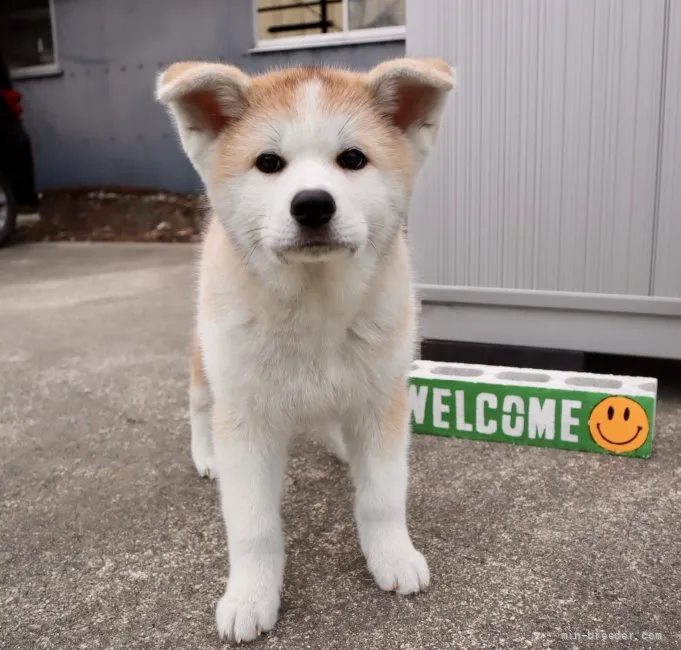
(306, 314)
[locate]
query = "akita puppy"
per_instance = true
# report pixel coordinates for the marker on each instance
(306, 314)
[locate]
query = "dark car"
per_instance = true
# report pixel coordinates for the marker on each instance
(17, 179)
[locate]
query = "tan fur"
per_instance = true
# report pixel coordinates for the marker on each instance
(272, 96)
(440, 65)
(220, 260)
(377, 135)
(223, 422)
(177, 70)
(198, 378)
(394, 413)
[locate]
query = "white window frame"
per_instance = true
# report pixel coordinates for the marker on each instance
(45, 69)
(332, 39)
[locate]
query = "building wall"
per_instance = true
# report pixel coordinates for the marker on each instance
(549, 153)
(550, 216)
(98, 124)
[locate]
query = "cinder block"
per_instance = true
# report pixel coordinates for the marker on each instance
(609, 414)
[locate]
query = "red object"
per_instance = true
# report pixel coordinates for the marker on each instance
(14, 98)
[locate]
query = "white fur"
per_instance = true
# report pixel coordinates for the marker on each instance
(304, 351)
(200, 413)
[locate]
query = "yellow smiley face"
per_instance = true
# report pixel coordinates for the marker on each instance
(619, 424)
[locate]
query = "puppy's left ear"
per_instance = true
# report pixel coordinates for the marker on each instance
(412, 93)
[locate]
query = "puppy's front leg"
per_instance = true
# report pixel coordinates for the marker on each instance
(250, 467)
(377, 442)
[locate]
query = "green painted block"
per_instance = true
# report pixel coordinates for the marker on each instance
(607, 414)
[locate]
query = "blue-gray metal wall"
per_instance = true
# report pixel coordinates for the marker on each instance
(98, 124)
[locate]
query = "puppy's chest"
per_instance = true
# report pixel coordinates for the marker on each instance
(312, 367)
(331, 352)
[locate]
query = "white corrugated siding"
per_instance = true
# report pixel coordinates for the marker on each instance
(667, 279)
(545, 175)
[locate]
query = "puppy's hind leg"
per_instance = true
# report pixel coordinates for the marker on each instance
(200, 415)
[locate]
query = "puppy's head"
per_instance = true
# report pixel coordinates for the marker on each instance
(307, 164)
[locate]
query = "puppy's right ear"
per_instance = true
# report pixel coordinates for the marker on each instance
(203, 99)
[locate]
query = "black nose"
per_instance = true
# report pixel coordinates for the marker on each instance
(313, 208)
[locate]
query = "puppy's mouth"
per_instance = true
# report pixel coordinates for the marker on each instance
(314, 250)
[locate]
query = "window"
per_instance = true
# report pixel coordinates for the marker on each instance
(27, 35)
(306, 23)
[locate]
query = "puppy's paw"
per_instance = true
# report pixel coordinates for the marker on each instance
(400, 568)
(245, 616)
(204, 464)
(202, 454)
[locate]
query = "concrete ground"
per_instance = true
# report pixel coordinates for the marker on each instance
(108, 539)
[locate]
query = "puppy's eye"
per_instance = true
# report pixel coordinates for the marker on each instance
(352, 159)
(270, 163)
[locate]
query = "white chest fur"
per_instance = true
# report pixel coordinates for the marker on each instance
(300, 360)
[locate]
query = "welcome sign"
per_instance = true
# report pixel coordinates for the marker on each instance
(598, 413)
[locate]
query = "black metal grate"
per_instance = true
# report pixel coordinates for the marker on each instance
(323, 24)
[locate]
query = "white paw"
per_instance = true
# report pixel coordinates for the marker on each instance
(204, 464)
(202, 454)
(400, 568)
(245, 617)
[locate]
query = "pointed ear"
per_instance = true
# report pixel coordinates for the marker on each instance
(203, 99)
(412, 94)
